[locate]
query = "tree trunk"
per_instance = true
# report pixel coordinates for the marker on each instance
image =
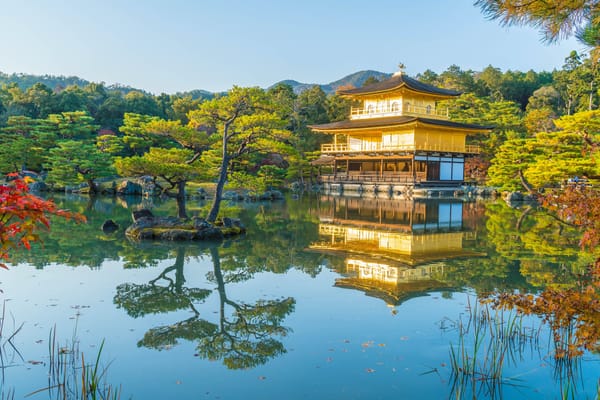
(93, 188)
(214, 210)
(524, 182)
(180, 197)
(216, 259)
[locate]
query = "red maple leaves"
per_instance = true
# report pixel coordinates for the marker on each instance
(22, 214)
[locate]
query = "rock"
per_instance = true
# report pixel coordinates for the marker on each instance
(38, 187)
(296, 186)
(271, 195)
(201, 193)
(126, 188)
(276, 195)
(109, 226)
(144, 213)
(200, 223)
(511, 197)
(232, 195)
(148, 188)
(148, 227)
(232, 223)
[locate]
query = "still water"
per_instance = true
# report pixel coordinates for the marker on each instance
(324, 298)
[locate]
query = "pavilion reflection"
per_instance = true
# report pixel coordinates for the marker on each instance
(394, 249)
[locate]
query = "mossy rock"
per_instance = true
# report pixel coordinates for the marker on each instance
(170, 228)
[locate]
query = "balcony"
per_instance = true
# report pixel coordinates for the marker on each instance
(394, 111)
(380, 149)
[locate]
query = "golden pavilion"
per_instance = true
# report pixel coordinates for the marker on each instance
(394, 249)
(397, 138)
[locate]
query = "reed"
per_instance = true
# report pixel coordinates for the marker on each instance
(71, 378)
(488, 339)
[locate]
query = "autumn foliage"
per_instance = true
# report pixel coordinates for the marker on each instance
(573, 314)
(21, 215)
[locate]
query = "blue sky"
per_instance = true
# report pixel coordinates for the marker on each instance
(177, 45)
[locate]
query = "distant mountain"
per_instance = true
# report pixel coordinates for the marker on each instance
(355, 80)
(53, 82)
(57, 83)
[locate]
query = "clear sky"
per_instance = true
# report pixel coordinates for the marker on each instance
(177, 45)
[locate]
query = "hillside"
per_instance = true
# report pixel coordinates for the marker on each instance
(57, 83)
(356, 80)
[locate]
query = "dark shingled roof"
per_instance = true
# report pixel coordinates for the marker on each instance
(392, 121)
(398, 81)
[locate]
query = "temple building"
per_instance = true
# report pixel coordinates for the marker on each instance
(394, 249)
(398, 138)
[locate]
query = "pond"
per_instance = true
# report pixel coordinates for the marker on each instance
(323, 298)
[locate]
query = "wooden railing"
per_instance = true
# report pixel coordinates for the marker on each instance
(373, 177)
(391, 111)
(370, 147)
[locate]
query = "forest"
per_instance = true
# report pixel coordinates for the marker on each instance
(84, 133)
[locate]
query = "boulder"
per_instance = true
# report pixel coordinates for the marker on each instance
(139, 214)
(232, 195)
(148, 227)
(109, 226)
(38, 186)
(201, 193)
(511, 197)
(127, 188)
(232, 223)
(271, 195)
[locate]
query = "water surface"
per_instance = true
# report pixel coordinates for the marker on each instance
(325, 297)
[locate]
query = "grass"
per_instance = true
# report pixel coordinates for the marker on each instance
(71, 378)
(487, 341)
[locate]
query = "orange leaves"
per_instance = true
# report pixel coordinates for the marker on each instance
(572, 314)
(21, 214)
(579, 206)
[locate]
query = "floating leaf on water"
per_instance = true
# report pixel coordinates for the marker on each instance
(35, 362)
(329, 359)
(262, 378)
(346, 341)
(369, 370)
(381, 345)
(443, 364)
(178, 382)
(39, 341)
(403, 338)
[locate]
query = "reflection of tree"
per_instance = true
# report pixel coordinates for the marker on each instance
(244, 339)
(545, 249)
(151, 298)
(244, 335)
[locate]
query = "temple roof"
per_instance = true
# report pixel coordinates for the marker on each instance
(396, 82)
(391, 122)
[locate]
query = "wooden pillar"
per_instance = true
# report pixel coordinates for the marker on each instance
(334, 169)
(347, 168)
(381, 169)
(414, 172)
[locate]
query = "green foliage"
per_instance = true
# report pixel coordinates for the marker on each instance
(74, 125)
(246, 123)
(549, 158)
(169, 164)
(73, 162)
(510, 160)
